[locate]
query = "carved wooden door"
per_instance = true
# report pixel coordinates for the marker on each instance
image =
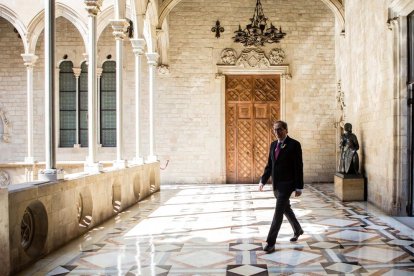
(252, 104)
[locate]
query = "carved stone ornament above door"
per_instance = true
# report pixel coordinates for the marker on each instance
(5, 127)
(252, 58)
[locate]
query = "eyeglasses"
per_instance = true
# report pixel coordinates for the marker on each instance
(279, 129)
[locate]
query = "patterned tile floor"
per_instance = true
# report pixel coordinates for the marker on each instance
(221, 229)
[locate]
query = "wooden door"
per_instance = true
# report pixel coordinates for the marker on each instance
(252, 104)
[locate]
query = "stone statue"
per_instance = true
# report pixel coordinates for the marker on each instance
(349, 160)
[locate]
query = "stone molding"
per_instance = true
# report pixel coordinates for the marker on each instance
(276, 56)
(391, 22)
(228, 56)
(119, 27)
(286, 76)
(5, 135)
(93, 7)
(76, 71)
(219, 76)
(163, 69)
(4, 179)
(252, 58)
(99, 71)
(152, 58)
(138, 46)
(340, 99)
(29, 59)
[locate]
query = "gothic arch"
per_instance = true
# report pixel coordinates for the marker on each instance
(37, 25)
(105, 17)
(150, 25)
(11, 17)
(335, 6)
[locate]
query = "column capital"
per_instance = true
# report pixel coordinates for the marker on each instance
(99, 72)
(77, 71)
(163, 69)
(159, 32)
(152, 58)
(29, 59)
(138, 45)
(120, 27)
(93, 6)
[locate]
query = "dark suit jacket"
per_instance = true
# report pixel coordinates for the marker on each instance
(287, 170)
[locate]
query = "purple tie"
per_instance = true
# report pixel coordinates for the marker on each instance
(277, 150)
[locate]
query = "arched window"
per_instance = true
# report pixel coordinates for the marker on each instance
(67, 105)
(83, 105)
(108, 104)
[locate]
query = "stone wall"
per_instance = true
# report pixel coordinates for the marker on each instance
(12, 93)
(64, 210)
(372, 104)
(4, 232)
(189, 118)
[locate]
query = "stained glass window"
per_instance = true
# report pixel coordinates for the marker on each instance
(67, 105)
(108, 104)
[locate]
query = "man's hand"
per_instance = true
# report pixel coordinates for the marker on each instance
(261, 185)
(298, 193)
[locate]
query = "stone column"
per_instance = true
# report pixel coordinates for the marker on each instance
(29, 62)
(119, 26)
(93, 8)
(98, 108)
(138, 49)
(4, 232)
(152, 62)
(77, 72)
(49, 173)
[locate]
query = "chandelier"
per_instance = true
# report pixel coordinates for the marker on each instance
(256, 33)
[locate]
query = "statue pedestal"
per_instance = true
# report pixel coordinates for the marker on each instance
(349, 187)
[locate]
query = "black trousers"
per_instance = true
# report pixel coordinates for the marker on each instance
(282, 208)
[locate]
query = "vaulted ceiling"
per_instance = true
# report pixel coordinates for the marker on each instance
(336, 6)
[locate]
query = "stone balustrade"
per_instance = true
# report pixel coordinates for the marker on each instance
(42, 216)
(20, 172)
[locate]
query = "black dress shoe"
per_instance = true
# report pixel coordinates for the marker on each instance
(296, 236)
(269, 248)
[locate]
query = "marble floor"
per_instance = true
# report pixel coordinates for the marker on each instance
(221, 229)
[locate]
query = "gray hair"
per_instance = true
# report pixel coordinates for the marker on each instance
(282, 123)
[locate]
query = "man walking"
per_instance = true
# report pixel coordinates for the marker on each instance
(285, 165)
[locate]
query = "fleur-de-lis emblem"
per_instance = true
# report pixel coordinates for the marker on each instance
(217, 29)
